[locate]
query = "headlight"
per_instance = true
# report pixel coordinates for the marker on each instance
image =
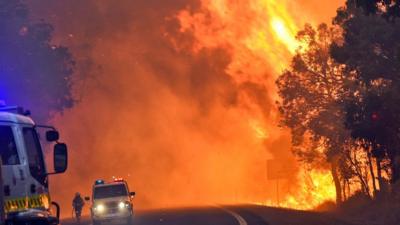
(99, 208)
(123, 205)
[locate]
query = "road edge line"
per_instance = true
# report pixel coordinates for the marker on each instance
(238, 217)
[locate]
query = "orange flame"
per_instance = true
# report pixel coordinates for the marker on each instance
(260, 36)
(315, 189)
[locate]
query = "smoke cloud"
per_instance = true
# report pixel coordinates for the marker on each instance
(170, 120)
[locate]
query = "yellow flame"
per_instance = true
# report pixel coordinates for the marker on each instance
(260, 36)
(316, 188)
(284, 34)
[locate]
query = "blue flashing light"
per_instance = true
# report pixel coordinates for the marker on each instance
(98, 182)
(2, 103)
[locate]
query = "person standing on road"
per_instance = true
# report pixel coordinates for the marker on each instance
(77, 204)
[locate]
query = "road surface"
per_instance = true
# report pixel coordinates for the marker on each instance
(230, 215)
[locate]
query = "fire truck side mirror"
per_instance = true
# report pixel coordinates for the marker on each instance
(60, 158)
(87, 198)
(52, 135)
(132, 193)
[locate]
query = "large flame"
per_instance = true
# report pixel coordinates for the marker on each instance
(260, 35)
(254, 31)
(315, 189)
(184, 127)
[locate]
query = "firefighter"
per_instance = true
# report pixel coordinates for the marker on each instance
(77, 204)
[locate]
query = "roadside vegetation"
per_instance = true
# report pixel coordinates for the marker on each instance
(31, 64)
(340, 98)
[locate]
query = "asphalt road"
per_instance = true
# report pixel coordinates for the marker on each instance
(229, 215)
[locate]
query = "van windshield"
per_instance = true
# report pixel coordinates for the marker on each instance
(110, 191)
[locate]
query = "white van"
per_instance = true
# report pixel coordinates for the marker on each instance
(111, 202)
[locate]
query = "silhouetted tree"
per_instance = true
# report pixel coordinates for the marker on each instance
(311, 91)
(34, 73)
(388, 8)
(371, 50)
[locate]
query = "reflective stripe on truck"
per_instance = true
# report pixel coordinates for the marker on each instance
(20, 204)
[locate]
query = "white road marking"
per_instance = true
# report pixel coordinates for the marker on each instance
(238, 217)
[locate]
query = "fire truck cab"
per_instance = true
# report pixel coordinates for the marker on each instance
(24, 174)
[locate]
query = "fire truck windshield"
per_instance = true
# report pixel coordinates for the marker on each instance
(35, 155)
(8, 149)
(110, 191)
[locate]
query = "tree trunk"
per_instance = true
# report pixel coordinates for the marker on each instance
(371, 170)
(394, 167)
(382, 186)
(366, 183)
(336, 180)
(344, 193)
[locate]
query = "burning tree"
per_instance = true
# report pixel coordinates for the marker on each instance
(371, 51)
(340, 99)
(390, 9)
(312, 90)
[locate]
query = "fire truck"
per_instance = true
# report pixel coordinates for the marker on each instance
(24, 175)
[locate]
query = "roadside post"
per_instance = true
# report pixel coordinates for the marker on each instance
(277, 171)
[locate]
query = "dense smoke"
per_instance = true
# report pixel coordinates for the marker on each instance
(34, 73)
(170, 120)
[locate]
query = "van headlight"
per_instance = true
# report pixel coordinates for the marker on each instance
(99, 208)
(123, 205)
